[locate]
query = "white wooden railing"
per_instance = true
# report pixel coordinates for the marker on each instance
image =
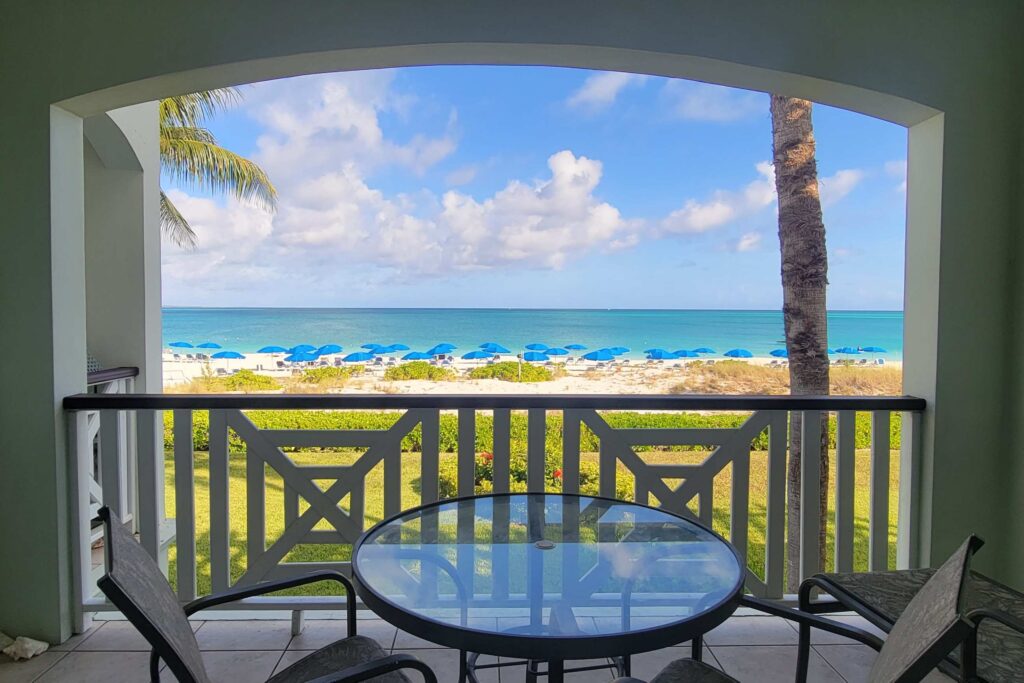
(688, 488)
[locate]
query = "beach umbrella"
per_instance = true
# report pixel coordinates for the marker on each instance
(848, 350)
(441, 349)
(302, 348)
(382, 349)
(227, 354)
(738, 353)
(576, 347)
(779, 353)
(557, 352)
(685, 353)
(494, 347)
(478, 354)
(358, 357)
(327, 349)
(302, 356)
(417, 355)
(660, 354)
(181, 345)
(273, 349)
(873, 349)
(830, 351)
(600, 354)
(704, 349)
(535, 356)
(209, 345)
(537, 347)
(619, 350)
(371, 347)
(399, 347)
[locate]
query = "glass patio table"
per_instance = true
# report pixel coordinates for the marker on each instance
(547, 578)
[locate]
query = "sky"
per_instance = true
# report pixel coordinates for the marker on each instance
(530, 187)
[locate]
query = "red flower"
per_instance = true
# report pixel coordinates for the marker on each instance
(487, 456)
(558, 474)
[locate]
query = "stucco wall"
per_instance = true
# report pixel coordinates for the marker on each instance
(906, 61)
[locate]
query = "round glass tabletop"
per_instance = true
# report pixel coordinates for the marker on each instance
(547, 575)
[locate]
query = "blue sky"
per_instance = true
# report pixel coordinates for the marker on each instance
(530, 187)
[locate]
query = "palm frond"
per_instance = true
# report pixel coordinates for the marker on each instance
(174, 224)
(186, 133)
(194, 108)
(207, 166)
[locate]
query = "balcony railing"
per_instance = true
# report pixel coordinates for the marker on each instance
(325, 501)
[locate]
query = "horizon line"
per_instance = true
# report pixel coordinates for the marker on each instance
(510, 308)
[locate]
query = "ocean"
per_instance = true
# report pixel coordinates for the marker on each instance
(248, 329)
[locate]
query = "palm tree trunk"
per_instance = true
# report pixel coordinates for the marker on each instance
(804, 280)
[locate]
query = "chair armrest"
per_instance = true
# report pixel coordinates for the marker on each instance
(814, 621)
(378, 667)
(240, 592)
(976, 616)
(628, 680)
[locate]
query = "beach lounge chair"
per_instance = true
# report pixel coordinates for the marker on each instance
(221, 372)
(935, 623)
(280, 365)
(137, 587)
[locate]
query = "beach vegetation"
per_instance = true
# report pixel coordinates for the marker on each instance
(191, 157)
(418, 369)
(513, 371)
(330, 375)
(244, 380)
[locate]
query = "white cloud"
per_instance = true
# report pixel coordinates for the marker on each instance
(724, 206)
(601, 89)
(834, 187)
(463, 175)
(748, 242)
(898, 169)
(695, 101)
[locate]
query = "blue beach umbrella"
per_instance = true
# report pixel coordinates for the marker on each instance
(535, 356)
(399, 347)
(477, 355)
(738, 353)
(686, 353)
(302, 356)
(441, 349)
(830, 351)
(537, 347)
(209, 345)
(302, 348)
(873, 349)
(358, 357)
(382, 350)
(576, 347)
(848, 350)
(417, 355)
(181, 345)
(704, 349)
(600, 354)
(273, 349)
(619, 350)
(227, 354)
(327, 349)
(660, 354)
(779, 353)
(557, 352)
(371, 347)
(494, 347)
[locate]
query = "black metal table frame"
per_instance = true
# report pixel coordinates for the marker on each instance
(553, 649)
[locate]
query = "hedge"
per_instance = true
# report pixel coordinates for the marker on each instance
(324, 420)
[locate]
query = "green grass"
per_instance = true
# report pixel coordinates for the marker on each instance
(410, 498)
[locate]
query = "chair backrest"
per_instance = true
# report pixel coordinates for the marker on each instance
(931, 626)
(137, 587)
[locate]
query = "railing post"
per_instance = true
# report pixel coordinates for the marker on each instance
(810, 493)
(907, 542)
(775, 522)
(151, 484)
(114, 462)
(185, 504)
(878, 515)
(846, 455)
(536, 436)
(80, 456)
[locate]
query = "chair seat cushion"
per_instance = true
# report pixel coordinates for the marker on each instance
(887, 594)
(691, 671)
(335, 657)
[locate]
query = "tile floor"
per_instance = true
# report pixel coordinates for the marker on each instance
(760, 649)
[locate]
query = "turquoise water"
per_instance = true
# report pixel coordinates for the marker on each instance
(247, 329)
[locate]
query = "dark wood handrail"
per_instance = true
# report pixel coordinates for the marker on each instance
(110, 374)
(487, 402)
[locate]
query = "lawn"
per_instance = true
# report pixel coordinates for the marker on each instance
(410, 498)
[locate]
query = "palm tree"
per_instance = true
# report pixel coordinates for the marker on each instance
(804, 280)
(190, 155)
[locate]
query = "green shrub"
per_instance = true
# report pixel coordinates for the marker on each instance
(418, 369)
(449, 428)
(509, 371)
(247, 380)
(330, 374)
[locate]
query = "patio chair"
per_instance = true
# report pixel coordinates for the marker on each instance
(932, 625)
(883, 597)
(137, 587)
